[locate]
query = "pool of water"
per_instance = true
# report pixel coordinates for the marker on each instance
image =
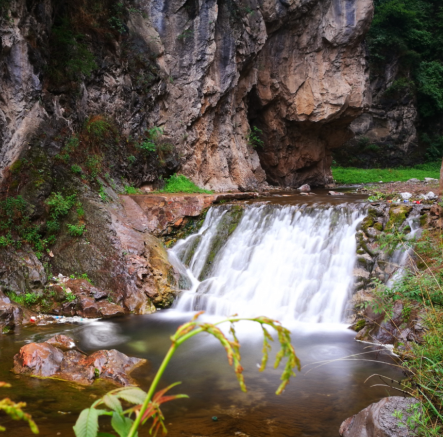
(329, 388)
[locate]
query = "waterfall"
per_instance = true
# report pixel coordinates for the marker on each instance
(285, 262)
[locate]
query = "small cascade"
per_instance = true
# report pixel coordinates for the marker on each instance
(286, 262)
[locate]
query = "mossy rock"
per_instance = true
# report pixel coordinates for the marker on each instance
(360, 325)
(423, 220)
(225, 228)
(367, 223)
(397, 215)
(378, 226)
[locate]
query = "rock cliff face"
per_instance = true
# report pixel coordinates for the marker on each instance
(385, 135)
(206, 72)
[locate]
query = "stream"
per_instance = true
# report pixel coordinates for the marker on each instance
(287, 261)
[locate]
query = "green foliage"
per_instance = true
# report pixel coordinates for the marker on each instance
(421, 292)
(434, 146)
(94, 165)
(254, 137)
(76, 169)
(15, 411)
(146, 406)
(412, 31)
(352, 175)
(70, 56)
(70, 297)
(98, 127)
(181, 184)
(59, 205)
(151, 143)
(131, 190)
(76, 230)
(377, 196)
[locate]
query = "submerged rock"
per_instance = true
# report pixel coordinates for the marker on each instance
(378, 419)
(59, 358)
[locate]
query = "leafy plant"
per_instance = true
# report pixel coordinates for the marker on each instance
(76, 230)
(254, 137)
(181, 184)
(76, 169)
(151, 143)
(131, 190)
(15, 411)
(59, 205)
(147, 406)
(70, 297)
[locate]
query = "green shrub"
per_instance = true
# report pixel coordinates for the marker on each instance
(151, 143)
(181, 184)
(76, 169)
(131, 190)
(59, 205)
(76, 230)
(254, 137)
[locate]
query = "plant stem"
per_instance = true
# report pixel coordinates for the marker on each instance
(151, 391)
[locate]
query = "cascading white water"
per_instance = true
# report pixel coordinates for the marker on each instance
(285, 262)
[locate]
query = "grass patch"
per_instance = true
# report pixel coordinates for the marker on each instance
(352, 175)
(181, 184)
(421, 292)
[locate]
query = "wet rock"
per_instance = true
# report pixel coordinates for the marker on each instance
(61, 342)
(304, 188)
(38, 359)
(109, 309)
(378, 419)
(335, 193)
(10, 314)
(58, 358)
(21, 271)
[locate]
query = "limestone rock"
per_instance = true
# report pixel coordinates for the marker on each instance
(378, 419)
(295, 70)
(57, 358)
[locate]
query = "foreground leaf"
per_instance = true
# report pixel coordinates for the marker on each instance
(121, 424)
(87, 423)
(133, 395)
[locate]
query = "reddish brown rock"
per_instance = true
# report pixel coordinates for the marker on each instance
(57, 358)
(108, 309)
(38, 359)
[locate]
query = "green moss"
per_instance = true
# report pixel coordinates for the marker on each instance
(423, 220)
(360, 325)
(367, 223)
(227, 225)
(397, 215)
(378, 226)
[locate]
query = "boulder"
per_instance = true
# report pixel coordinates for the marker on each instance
(10, 314)
(430, 180)
(414, 181)
(335, 193)
(304, 188)
(59, 358)
(378, 420)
